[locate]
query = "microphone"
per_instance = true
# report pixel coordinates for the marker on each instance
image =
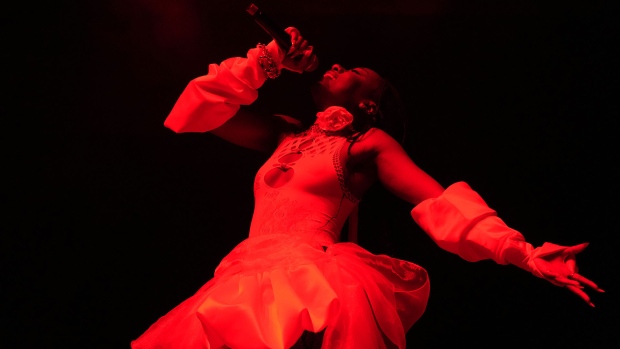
(276, 32)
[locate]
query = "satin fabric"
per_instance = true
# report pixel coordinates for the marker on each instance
(209, 101)
(289, 275)
(271, 288)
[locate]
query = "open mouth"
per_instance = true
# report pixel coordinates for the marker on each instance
(330, 74)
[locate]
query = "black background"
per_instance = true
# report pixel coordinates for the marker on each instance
(111, 219)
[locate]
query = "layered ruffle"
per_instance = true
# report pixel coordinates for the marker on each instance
(271, 288)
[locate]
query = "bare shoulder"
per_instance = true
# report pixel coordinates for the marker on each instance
(395, 169)
(375, 140)
(371, 145)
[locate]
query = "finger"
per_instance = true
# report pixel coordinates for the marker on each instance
(303, 44)
(549, 274)
(551, 277)
(292, 31)
(581, 294)
(300, 49)
(586, 282)
(566, 281)
(294, 34)
(577, 248)
(295, 38)
(559, 280)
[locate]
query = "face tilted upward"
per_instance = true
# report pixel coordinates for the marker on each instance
(345, 87)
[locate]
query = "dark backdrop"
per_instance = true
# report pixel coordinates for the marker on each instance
(112, 219)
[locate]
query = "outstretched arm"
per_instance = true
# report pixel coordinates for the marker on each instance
(396, 171)
(459, 221)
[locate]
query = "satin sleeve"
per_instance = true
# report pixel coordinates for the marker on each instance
(459, 221)
(209, 101)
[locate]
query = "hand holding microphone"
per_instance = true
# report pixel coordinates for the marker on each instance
(300, 56)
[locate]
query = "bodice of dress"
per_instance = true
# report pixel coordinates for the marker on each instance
(301, 189)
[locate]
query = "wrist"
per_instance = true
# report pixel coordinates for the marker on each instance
(518, 252)
(270, 58)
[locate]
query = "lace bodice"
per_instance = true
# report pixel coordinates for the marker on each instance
(301, 188)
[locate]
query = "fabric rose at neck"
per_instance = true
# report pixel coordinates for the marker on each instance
(334, 118)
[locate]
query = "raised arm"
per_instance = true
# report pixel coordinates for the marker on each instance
(209, 102)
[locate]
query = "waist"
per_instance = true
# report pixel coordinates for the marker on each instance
(314, 238)
(261, 253)
(299, 221)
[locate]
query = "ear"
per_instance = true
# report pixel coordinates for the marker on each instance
(368, 106)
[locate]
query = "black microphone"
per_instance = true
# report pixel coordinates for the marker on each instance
(276, 32)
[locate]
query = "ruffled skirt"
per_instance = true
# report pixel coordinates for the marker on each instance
(270, 289)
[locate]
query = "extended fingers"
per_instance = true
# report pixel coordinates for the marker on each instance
(552, 277)
(565, 281)
(577, 248)
(586, 281)
(580, 293)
